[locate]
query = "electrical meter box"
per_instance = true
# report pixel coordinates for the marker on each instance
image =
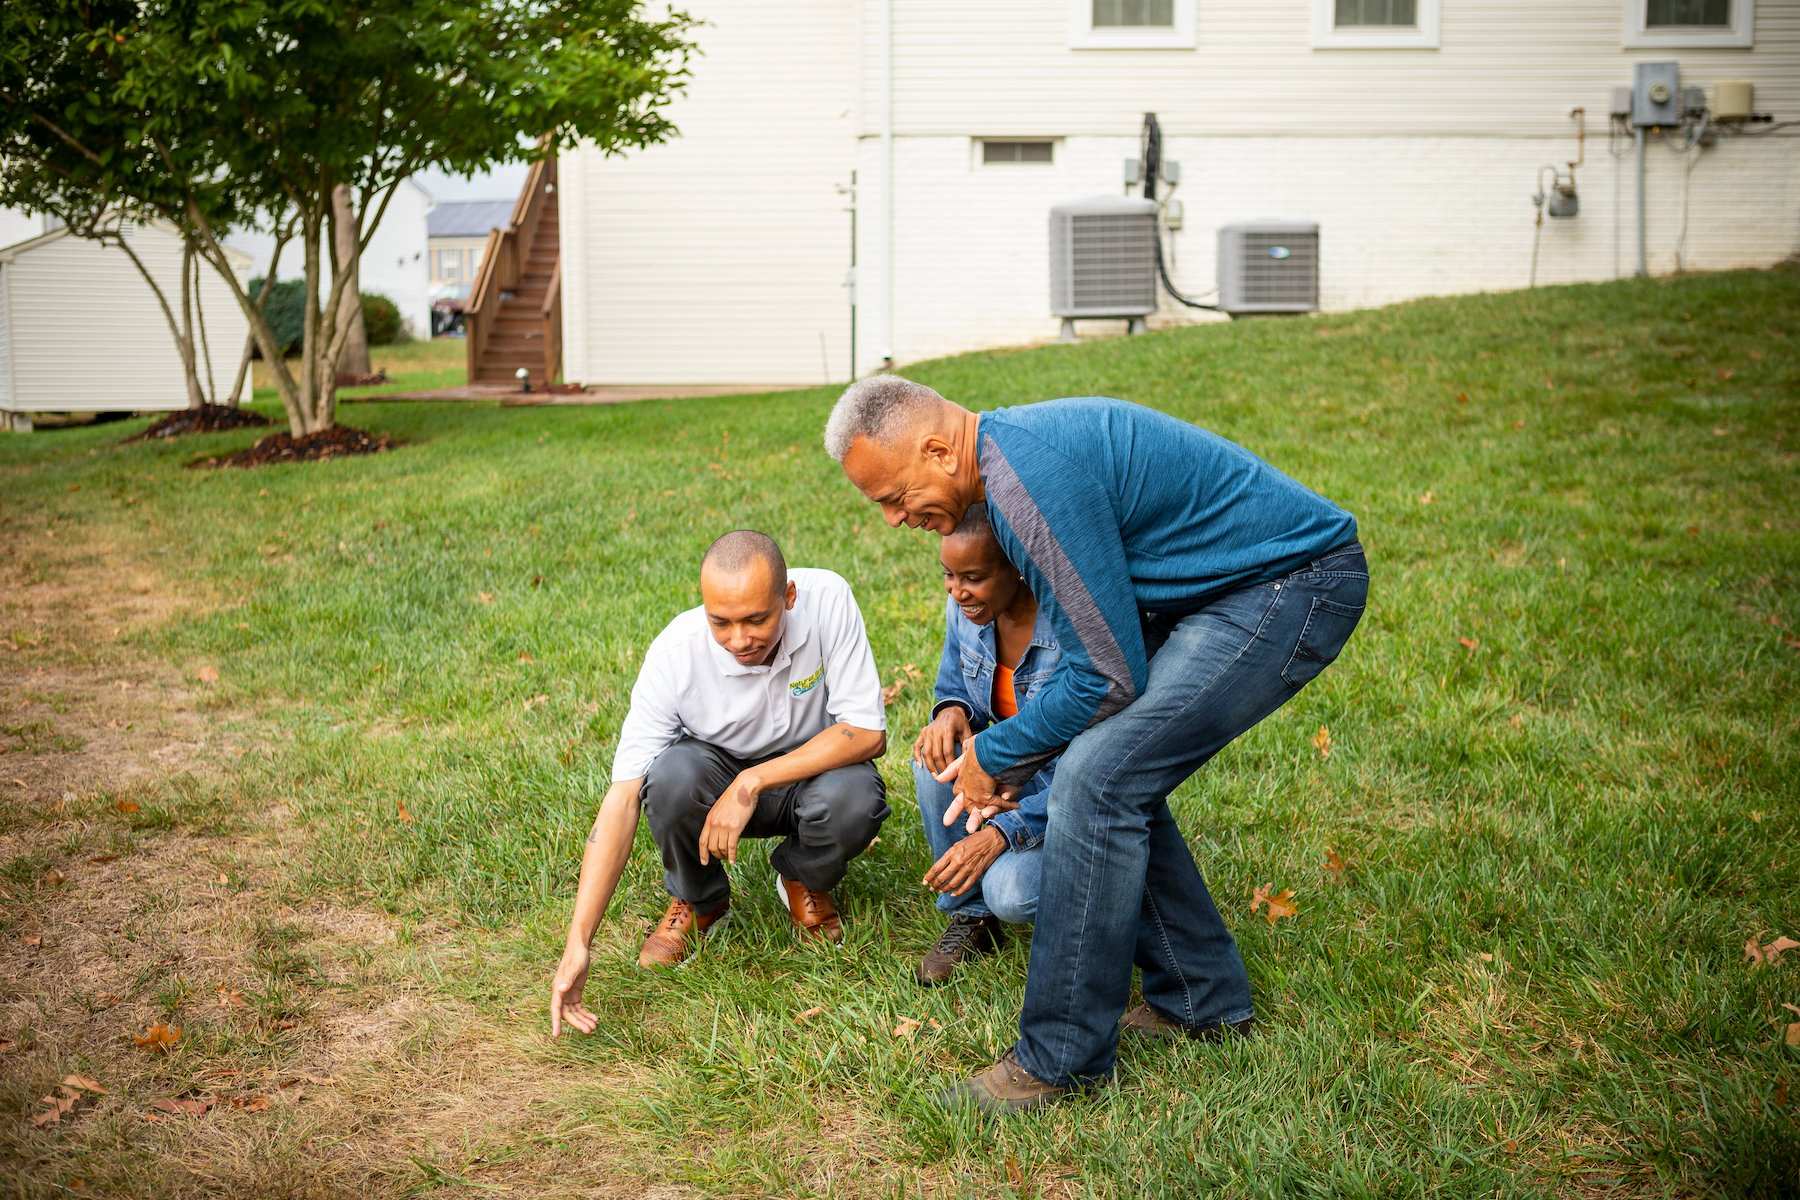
(1656, 94)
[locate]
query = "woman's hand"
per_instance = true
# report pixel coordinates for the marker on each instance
(937, 742)
(966, 862)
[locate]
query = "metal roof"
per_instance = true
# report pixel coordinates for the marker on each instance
(468, 218)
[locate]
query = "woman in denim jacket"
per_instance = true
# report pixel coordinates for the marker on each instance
(997, 651)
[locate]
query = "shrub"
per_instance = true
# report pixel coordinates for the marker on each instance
(381, 319)
(286, 310)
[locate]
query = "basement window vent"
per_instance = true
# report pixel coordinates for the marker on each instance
(1017, 152)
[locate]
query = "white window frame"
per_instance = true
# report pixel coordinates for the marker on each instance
(1740, 35)
(1329, 35)
(1084, 35)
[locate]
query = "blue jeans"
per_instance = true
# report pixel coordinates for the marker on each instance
(1008, 889)
(1119, 885)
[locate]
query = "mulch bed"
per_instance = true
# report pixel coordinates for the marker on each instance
(340, 441)
(208, 418)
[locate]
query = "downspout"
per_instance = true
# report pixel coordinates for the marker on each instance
(887, 183)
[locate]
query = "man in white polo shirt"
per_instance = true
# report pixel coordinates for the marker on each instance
(757, 714)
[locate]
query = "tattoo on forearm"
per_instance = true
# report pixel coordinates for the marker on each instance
(594, 833)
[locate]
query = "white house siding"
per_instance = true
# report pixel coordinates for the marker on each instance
(86, 334)
(1418, 165)
(721, 257)
(396, 264)
(5, 343)
(16, 225)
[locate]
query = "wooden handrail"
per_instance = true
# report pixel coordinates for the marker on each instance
(503, 261)
(552, 316)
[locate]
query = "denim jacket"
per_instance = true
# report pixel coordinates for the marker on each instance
(966, 678)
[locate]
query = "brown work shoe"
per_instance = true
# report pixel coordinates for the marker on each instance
(1005, 1087)
(1145, 1021)
(815, 914)
(679, 934)
(965, 937)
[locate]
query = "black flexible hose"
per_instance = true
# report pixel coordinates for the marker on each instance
(1150, 160)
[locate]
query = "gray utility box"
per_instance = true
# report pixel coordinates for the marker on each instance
(1656, 93)
(1269, 267)
(1103, 259)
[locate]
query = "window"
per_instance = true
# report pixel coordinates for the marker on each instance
(1016, 152)
(1375, 24)
(1696, 23)
(452, 266)
(1131, 24)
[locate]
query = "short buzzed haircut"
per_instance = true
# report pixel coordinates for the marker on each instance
(878, 408)
(735, 551)
(975, 526)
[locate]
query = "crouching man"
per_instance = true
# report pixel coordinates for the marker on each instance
(757, 714)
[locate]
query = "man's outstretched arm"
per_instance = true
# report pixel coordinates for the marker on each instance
(602, 863)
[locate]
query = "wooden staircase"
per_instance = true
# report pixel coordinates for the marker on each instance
(514, 315)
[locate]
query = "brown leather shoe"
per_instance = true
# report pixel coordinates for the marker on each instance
(815, 914)
(679, 934)
(1005, 1087)
(964, 938)
(1145, 1021)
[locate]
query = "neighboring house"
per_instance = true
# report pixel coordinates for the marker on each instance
(394, 265)
(459, 230)
(1411, 131)
(80, 330)
(16, 225)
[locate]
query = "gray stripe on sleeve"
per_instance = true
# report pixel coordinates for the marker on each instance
(1007, 493)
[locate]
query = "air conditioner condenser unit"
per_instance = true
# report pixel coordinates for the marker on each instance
(1269, 267)
(1103, 260)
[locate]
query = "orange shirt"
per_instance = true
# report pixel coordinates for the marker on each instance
(1006, 704)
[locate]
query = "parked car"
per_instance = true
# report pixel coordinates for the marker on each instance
(447, 304)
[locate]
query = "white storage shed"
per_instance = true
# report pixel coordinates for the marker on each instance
(80, 330)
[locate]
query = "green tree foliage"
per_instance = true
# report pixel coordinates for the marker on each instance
(223, 113)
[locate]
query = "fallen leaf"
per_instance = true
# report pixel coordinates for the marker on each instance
(1322, 742)
(59, 1104)
(102, 858)
(1335, 863)
(182, 1108)
(810, 1013)
(534, 702)
(484, 597)
(1763, 955)
(1427, 498)
(128, 806)
(231, 997)
(253, 1104)
(33, 940)
(82, 1083)
(404, 815)
(1014, 1173)
(1470, 643)
(892, 691)
(158, 1038)
(224, 879)
(207, 674)
(54, 878)
(526, 658)
(907, 1027)
(1278, 902)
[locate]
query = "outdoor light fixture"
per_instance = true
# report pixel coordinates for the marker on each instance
(524, 377)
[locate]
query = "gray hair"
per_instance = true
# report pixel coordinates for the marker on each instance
(878, 408)
(976, 526)
(733, 552)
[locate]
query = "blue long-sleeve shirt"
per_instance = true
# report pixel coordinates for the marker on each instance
(966, 678)
(1112, 510)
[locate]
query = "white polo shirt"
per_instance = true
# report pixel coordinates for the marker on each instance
(823, 672)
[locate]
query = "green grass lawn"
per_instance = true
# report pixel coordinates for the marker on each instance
(413, 366)
(1563, 763)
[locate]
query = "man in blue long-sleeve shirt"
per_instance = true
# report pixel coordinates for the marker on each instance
(1193, 589)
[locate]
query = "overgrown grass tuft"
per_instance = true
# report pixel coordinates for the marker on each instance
(1561, 775)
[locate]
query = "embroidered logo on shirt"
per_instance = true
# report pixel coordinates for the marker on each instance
(802, 686)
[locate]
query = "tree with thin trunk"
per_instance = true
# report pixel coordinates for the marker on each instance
(226, 111)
